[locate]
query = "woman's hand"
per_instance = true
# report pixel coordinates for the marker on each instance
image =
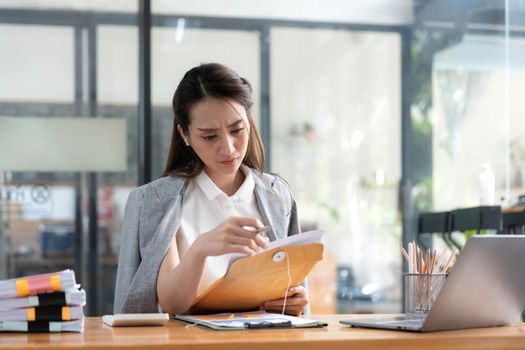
(295, 302)
(232, 236)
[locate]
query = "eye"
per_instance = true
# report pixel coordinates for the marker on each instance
(236, 131)
(209, 137)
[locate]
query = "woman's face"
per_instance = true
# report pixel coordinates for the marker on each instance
(218, 133)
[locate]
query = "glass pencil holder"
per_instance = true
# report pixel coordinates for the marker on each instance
(421, 291)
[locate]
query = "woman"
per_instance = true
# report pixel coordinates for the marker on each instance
(213, 200)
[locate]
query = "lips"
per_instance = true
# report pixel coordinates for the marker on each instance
(228, 162)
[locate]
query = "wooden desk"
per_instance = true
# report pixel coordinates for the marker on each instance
(176, 336)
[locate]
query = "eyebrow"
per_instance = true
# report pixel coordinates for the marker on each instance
(215, 129)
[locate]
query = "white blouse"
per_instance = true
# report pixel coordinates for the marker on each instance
(205, 207)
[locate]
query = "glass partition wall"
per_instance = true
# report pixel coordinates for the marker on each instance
(336, 136)
(63, 68)
(368, 123)
(468, 119)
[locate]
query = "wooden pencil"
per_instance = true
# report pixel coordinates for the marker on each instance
(447, 266)
(405, 254)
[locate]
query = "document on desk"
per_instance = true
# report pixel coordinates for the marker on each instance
(249, 320)
(42, 326)
(252, 280)
(37, 284)
(43, 313)
(72, 296)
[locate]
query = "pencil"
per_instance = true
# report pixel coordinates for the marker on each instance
(405, 254)
(420, 258)
(411, 258)
(427, 262)
(447, 266)
(414, 257)
(433, 263)
(263, 229)
(442, 259)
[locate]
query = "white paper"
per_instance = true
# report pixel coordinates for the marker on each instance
(22, 326)
(8, 287)
(290, 241)
(76, 313)
(73, 297)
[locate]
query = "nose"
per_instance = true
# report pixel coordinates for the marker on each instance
(227, 146)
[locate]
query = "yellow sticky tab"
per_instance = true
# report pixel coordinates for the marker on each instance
(31, 314)
(55, 283)
(66, 316)
(22, 287)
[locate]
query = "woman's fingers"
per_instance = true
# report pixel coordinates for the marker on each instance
(297, 290)
(246, 221)
(288, 311)
(243, 241)
(289, 302)
(248, 226)
(258, 238)
(237, 244)
(243, 230)
(253, 242)
(231, 237)
(242, 249)
(261, 240)
(292, 310)
(296, 302)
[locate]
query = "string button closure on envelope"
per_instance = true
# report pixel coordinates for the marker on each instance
(279, 256)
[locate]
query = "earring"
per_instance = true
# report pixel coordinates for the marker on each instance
(187, 143)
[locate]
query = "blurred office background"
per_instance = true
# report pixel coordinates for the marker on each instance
(372, 111)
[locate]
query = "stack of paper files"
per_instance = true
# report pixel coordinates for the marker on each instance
(50, 302)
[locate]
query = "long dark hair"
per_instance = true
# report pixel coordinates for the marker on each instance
(208, 80)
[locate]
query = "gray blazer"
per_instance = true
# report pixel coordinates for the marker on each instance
(149, 225)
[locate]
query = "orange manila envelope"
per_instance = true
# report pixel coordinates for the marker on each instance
(253, 280)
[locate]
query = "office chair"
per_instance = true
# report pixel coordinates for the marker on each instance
(513, 223)
(474, 219)
(432, 223)
(459, 220)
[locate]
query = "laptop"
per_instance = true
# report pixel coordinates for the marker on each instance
(485, 288)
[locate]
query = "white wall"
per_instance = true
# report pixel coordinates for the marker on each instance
(36, 63)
